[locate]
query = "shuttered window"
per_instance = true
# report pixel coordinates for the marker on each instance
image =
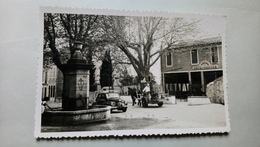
(169, 59)
(214, 55)
(194, 56)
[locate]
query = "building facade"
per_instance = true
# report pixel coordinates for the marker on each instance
(188, 67)
(49, 82)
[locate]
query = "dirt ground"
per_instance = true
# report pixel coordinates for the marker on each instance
(177, 116)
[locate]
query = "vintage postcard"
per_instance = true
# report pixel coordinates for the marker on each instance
(125, 73)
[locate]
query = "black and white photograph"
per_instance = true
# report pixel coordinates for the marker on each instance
(118, 73)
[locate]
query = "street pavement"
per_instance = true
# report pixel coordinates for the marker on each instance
(169, 116)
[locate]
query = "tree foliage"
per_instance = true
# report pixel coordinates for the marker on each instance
(127, 79)
(61, 30)
(106, 71)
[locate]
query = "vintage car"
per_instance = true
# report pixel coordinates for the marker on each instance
(107, 89)
(111, 99)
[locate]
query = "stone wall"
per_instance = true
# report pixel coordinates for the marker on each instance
(215, 91)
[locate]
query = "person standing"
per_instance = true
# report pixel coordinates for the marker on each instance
(139, 93)
(133, 95)
(147, 91)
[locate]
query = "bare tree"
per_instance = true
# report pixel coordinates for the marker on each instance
(61, 30)
(145, 39)
(141, 39)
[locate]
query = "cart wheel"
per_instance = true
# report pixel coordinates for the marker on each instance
(144, 103)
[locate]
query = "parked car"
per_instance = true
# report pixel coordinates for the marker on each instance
(111, 99)
(107, 89)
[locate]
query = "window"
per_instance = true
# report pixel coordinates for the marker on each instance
(214, 55)
(194, 56)
(169, 59)
(53, 91)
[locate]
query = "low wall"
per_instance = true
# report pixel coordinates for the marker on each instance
(198, 100)
(215, 91)
(170, 100)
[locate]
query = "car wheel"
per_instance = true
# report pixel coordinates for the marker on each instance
(160, 104)
(124, 110)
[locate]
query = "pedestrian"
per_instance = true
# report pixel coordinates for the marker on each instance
(146, 91)
(139, 98)
(129, 91)
(133, 95)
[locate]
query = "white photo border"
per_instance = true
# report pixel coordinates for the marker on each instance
(118, 133)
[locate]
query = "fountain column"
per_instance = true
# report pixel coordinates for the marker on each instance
(75, 95)
(76, 81)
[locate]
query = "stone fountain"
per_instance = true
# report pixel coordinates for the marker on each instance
(75, 105)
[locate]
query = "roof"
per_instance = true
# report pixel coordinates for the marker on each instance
(201, 42)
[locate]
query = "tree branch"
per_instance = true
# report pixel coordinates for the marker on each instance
(133, 61)
(56, 53)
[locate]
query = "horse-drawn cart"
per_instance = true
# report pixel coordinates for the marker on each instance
(152, 99)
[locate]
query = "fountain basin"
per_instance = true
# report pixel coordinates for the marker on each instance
(93, 114)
